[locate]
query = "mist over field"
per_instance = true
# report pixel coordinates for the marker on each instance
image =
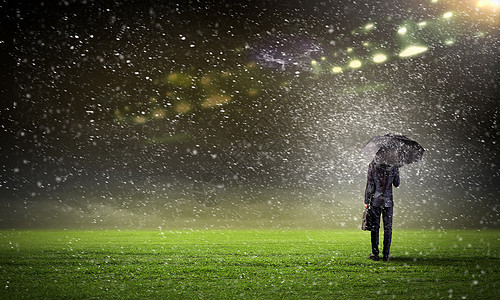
(184, 207)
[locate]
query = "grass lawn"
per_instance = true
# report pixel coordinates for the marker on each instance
(247, 264)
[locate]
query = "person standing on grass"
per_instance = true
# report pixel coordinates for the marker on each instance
(378, 195)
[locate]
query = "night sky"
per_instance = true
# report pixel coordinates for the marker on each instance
(144, 114)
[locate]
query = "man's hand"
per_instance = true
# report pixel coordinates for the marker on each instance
(366, 205)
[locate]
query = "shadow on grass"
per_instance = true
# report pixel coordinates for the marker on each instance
(443, 260)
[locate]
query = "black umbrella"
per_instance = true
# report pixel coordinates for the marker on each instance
(395, 150)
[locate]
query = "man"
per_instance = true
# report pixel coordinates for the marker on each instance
(378, 195)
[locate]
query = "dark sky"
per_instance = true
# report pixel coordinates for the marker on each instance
(136, 101)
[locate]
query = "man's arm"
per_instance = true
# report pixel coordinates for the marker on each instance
(370, 186)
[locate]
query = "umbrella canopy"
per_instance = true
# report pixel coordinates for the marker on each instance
(395, 150)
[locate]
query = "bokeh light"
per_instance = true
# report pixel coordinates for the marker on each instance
(379, 58)
(495, 4)
(336, 69)
(447, 15)
(413, 50)
(216, 100)
(369, 26)
(355, 64)
(183, 108)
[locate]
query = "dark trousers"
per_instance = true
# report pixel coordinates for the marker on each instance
(386, 213)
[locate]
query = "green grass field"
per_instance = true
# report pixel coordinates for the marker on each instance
(247, 264)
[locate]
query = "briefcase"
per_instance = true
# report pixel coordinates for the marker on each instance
(367, 219)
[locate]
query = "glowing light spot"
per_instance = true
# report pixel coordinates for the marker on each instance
(448, 15)
(355, 64)
(216, 100)
(159, 113)
(182, 108)
(402, 31)
(379, 58)
(336, 70)
(366, 44)
(253, 92)
(349, 50)
(323, 58)
(314, 63)
(412, 51)
(369, 26)
(422, 24)
(172, 76)
(488, 3)
(179, 79)
(140, 120)
(449, 42)
(206, 80)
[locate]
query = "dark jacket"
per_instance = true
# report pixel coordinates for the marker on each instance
(379, 184)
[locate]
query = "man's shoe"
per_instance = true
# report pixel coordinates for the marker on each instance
(373, 257)
(386, 258)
